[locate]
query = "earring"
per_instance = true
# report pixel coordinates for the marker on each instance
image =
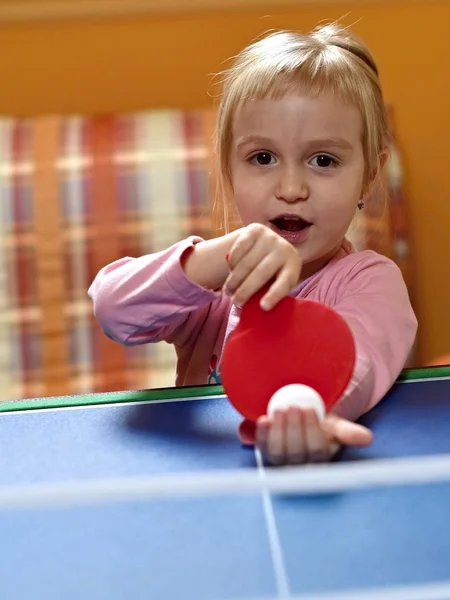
(361, 204)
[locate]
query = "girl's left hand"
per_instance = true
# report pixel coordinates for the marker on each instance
(296, 436)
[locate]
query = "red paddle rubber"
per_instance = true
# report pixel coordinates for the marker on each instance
(298, 341)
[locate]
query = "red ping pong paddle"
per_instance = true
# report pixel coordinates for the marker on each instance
(297, 341)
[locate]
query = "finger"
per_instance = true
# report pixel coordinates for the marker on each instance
(247, 432)
(255, 278)
(346, 432)
(295, 436)
(318, 447)
(244, 243)
(242, 269)
(275, 450)
(262, 433)
(262, 265)
(285, 281)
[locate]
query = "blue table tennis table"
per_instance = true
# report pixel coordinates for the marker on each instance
(148, 495)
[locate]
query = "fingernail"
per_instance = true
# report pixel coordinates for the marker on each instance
(264, 304)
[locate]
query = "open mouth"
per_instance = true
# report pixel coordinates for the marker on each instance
(290, 224)
(292, 228)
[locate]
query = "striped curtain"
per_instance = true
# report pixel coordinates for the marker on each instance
(79, 192)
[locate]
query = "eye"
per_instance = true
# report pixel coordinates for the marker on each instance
(324, 161)
(261, 158)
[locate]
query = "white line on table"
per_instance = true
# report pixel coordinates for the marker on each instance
(305, 480)
(426, 380)
(272, 532)
(427, 591)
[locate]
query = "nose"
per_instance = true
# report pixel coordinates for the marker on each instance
(292, 186)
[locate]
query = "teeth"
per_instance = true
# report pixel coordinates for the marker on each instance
(291, 218)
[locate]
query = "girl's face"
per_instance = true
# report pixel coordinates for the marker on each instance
(297, 166)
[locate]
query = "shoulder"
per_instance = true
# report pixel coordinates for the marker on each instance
(349, 259)
(356, 272)
(363, 265)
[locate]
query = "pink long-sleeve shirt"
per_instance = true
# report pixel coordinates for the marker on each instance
(149, 299)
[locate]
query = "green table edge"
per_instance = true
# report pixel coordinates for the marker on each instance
(169, 393)
(119, 397)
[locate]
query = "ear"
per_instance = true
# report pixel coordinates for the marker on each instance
(375, 173)
(382, 159)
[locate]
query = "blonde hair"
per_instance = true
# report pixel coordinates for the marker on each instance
(329, 59)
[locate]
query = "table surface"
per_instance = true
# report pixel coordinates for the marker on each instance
(149, 495)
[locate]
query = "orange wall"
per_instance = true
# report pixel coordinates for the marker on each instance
(167, 61)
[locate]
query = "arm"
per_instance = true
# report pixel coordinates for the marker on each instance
(375, 304)
(160, 296)
(368, 291)
(371, 296)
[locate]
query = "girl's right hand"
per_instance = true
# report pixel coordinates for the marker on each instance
(259, 256)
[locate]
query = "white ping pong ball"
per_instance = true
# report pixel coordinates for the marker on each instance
(297, 394)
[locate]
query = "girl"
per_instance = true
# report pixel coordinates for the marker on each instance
(301, 141)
